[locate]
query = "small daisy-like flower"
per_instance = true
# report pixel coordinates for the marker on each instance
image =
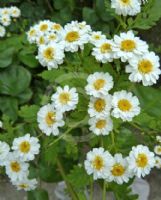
(118, 170)
(53, 37)
(4, 151)
(126, 7)
(15, 12)
(26, 184)
(49, 119)
(74, 37)
(125, 105)
(157, 150)
(2, 31)
(157, 162)
(99, 107)
(56, 27)
(32, 34)
(96, 36)
(5, 11)
(5, 20)
(145, 69)
(26, 147)
(141, 160)
(97, 163)
(83, 26)
(103, 52)
(15, 168)
(101, 126)
(65, 99)
(99, 84)
(158, 138)
(127, 46)
(44, 26)
(51, 55)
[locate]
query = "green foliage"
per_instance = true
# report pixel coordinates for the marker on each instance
(29, 113)
(38, 194)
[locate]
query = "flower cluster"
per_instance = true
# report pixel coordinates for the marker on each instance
(6, 15)
(16, 161)
(102, 165)
(53, 41)
(157, 151)
(127, 7)
(50, 116)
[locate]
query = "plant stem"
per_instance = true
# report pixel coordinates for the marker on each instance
(113, 140)
(69, 187)
(104, 191)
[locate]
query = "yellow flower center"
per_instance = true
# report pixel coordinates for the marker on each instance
(50, 118)
(72, 36)
(128, 45)
(98, 163)
(99, 84)
(41, 40)
(57, 27)
(106, 47)
(32, 32)
(43, 27)
(64, 97)
(118, 170)
(101, 124)
(23, 186)
(49, 53)
(142, 160)
(125, 2)
(52, 37)
(25, 147)
(15, 166)
(145, 66)
(96, 37)
(124, 105)
(159, 149)
(99, 105)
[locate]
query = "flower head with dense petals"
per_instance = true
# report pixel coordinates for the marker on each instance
(100, 126)
(141, 160)
(15, 12)
(26, 147)
(97, 162)
(127, 46)
(126, 7)
(25, 184)
(96, 37)
(99, 107)
(2, 31)
(99, 84)
(4, 151)
(157, 150)
(49, 119)
(157, 162)
(65, 99)
(145, 69)
(125, 105)
(5, 20)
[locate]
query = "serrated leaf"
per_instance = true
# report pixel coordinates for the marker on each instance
(29, 113)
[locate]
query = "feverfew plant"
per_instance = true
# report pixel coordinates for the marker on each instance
(91, 116)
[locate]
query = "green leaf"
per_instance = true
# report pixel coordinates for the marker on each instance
(38, 194)
(89, 15)
(14, 80)
(29, 113)
(6, 57)
(29, 60)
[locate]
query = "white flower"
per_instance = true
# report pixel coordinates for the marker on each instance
(5, 12)
(15, 12)
(25, 184)
(4, 151)
(99, 107)
(157, 162)
(145, 69)
(26, 147)
(99, 84)
(49, 119)
(127, 46)
(5, 20)
(126, 7)
(157, 150)
(65, 99)
(15, 168)
(101, 126)
(141, 160)
(2, 31)
(125, 105)
(41, 39)
(103, 52)
(84, 27)
(118, 170)
(51, 55)
(44, 26)
(97, 163)
(1, 124)
(32, 34)
(56, 27)
(158, 138)
(74, 37)
(96, 36)
(53, 37)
